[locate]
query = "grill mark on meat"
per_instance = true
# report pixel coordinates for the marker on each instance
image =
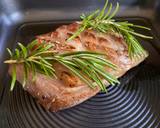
(69, 35)
(102, 40)
(72, 27)
(90, 45)
(68, 79)
(54, 34)
(89, 40)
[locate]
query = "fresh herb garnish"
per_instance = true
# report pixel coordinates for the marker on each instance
(104, 22)
(33, 58)
(88, 66)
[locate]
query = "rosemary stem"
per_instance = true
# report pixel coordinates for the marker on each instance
(13, 61)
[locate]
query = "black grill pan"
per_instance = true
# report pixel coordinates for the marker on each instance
(134, 103)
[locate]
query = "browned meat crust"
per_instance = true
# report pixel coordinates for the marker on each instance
(68, 90)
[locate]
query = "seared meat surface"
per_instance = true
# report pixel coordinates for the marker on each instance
(68, 90)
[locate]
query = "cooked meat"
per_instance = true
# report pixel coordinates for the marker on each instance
(68, 90)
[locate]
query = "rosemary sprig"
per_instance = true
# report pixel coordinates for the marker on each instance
(88, 66)
(104, 22)
(32, 57)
